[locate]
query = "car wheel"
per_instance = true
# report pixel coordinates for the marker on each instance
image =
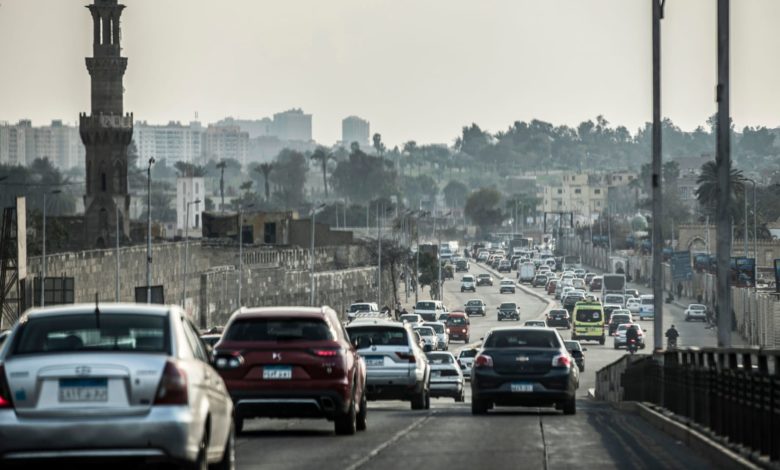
(238, 425)
(461, 398)
(466, 340)
(418, 402)
(346, 423)
(228, 461)
(427, 399)
(499, 318)
(479, 406)
(362, 417)
(616, 346)
(570, 406)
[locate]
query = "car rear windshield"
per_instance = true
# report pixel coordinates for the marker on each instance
(588, 315)
(522, 338)
(456, 321)
(508, 305)
(425, 306)
(440, 358)
(474, 303)
(90, 332)
(468, 353)
(436, 327)
(380, 335)
(573, 345)
(279, 329)
(359, 308)
(483, 276)
(426, 331)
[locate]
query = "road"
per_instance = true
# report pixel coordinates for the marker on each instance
(448, 437)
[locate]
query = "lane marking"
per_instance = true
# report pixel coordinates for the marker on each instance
(396, 437)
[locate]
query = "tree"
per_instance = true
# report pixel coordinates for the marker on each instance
(265, 169)
(708, 191)
(378, 145)
(482, 208)
(364, 177)
(455, 193)
(323, 156)
(186, 169)
(417, 189)
(290, 171)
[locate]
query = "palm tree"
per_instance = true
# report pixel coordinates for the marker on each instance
(265, 169)
(323, 156)
(708, 192)
(221, 165)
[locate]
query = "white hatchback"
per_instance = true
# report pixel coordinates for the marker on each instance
(696, 312)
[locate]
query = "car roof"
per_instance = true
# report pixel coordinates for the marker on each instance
(375, 321)
(427, 323)
(295, 312)
(105, 308)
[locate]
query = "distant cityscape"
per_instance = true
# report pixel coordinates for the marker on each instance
(244, 140)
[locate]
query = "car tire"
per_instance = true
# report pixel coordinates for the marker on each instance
(499, 318)
(461, 398)
(362, 416)
(479, 406)
(602, 341)
(570, 406)
(228, 461)
(238, 425)
(418, 402)
(346, 424)
(616, 346)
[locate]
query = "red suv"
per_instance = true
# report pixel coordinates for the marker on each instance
(458, 324)
(292, 362)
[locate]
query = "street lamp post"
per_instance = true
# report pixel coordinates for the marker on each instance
(43, 254)
(186, 251)
(116, 217)
(314, 212)
(149, 231)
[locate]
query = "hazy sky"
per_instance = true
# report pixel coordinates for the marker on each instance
(417, 69)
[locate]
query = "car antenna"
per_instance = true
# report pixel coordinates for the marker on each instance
(97, 311)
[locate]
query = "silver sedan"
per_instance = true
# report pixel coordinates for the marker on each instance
(113, 381)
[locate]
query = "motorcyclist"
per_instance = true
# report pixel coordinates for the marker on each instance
(671, 337)
(632, 334)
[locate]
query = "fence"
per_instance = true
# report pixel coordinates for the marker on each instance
(732, 393)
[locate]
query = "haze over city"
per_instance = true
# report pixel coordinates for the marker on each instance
(417, 70)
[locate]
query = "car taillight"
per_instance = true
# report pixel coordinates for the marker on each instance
(561, 360)
(406, 357)
(228, 360)
(483, 361)
(5, 390)
(173, 386)
(326, 352)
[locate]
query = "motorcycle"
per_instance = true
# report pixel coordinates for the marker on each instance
(671, 343)
(631, 346)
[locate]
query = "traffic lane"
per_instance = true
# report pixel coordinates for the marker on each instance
(300, 443)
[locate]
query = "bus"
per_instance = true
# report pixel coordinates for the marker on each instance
(571, 262)
(588, 322)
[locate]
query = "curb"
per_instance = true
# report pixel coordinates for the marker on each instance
(718, 455)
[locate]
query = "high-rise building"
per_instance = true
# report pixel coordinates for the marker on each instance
(222, 143)
(107, 131)
(355, 129)
(254, 127)
(189, 190)
(292, 125)
(22, 143)
(173, 142)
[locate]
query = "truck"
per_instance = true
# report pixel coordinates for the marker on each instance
(613, 284)
(526, 272)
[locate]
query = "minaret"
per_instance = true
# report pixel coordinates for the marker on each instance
(107, 132)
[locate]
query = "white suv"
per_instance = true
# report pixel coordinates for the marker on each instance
(696, 312)
(467, 282)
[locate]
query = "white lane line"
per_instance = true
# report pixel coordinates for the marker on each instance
(390, 442)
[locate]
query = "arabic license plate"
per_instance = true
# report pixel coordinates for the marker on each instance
(375, 361)
(522, 387)
(83, 390)
(277, 373)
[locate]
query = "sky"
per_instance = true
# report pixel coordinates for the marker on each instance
(416, 69)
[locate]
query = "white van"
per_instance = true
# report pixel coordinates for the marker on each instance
(646, 307)
(430, 310)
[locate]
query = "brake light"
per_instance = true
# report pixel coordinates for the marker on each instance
(5, 391)
(326, 352)
(173, 386)
(483, 361)
(561, 360)
(406, 357)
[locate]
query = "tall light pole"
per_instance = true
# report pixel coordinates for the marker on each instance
(186, 251)
(314, 213)
(116, 217)
(658, 302)
(43, 257)
(241, 248)
(149, 231)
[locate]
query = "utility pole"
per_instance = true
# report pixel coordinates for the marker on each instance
(43, 255)
(379, 237)
(186, 251)
(116, 215)
(149, 232)
(314, 212)
(723, 158)
(658, 236)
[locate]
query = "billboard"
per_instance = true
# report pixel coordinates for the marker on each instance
(743, 272)
(681, 265)
(21, 236)
(158, 295)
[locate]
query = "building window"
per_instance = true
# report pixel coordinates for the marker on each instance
(577, 191)
(560, 191)
(598, 203)
(269, 235)
(103, 182)
(596, 191)
(197, 220)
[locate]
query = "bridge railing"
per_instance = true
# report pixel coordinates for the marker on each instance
(732, 393)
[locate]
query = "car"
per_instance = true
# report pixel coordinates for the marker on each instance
(506, 286)
(484, 280)
(411, 318)
(475, 307)
(442, 334)
(617, 320)
(429, 310)
(4, 336)
(466, 361)
(608, 309)
(596, 283)
(504, 266)
(616, 299)
(539, 280)
(396, 366)
(633, 304)
(524, 367)
(620, 336)
(462, 265)
(559, 317)
(361, 307)
(535, 323)
(467, 282)
(580, 273)
(460, 327)
(577, 352)
(483, 256)
(589, 277)
(446, 376)
(210, 340)
(293, 362)
(578, 283)
(646, 307)
(696, 312)
(570, 300)
(508, 311)
(129, 381)
(632, 293)
(552, 285)
(428, 335)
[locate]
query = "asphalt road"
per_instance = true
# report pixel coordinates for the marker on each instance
(448, 437)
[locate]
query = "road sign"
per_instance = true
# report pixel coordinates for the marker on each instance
(681, 266)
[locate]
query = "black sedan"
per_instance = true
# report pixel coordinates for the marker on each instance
(526, 366)
(508, 311)
(577, 352)
(559, 317)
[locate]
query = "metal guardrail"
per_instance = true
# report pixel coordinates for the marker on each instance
(734, 393)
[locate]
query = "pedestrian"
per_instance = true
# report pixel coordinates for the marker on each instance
(679, 289)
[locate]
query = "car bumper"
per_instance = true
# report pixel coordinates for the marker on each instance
(554, 322)
(392, 388)
(458, 336)
(446, 389)
(547, 390)
(166, 433)
(475, 312)
(507, 289)
(696, 316)
(289, 404)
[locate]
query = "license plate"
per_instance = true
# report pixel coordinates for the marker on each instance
(521, 387)
(83, 390)
(375, 361)
(277, 372)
